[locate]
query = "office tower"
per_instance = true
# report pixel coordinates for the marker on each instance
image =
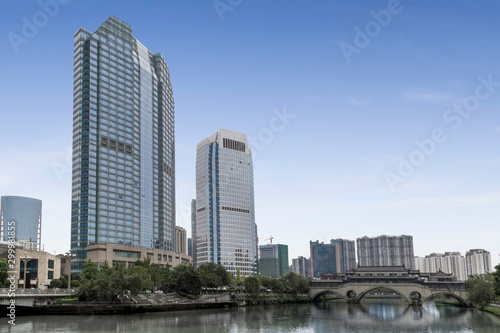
(193, 231)
(348, 254)
(123, 143)
(273, 260)
(478, 261)
(26, 213)
(180, 240)
(386, 251)
(302, 266)
(225, 231)
(449, 262)
(190, 248)
(325, 258)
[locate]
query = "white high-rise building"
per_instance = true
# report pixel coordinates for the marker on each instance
(225, 231)
(386, 251)
(123, 143)
(478, 261)
(449, 262)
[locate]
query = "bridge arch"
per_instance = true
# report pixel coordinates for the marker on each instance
(318, 294)
(450, 294)
(362, 294)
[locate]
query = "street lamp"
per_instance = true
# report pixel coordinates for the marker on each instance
(25, 260)
(69, 256)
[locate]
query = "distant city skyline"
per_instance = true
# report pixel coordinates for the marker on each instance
(399, 137)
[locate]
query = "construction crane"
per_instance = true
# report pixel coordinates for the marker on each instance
(270, 239)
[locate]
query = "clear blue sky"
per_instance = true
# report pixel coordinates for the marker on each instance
(359, 101)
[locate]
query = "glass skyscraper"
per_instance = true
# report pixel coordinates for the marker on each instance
(123, 143)
(225, 231)
(27, 215)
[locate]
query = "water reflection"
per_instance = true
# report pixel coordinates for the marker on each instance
(370, 316)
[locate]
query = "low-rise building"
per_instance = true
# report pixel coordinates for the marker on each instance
(41, 267)
(129, 254)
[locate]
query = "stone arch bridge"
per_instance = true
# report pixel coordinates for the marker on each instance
(415, 293)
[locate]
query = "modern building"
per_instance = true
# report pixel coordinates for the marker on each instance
(193, 231)
(302, 266)
(478, 261)
(41, 267)
(128, 254)
(225, 231)
(21, 219)
(348, 254)
(123, 143)
(386, 251)
(180, 240)
(325, 258)
(190, 247)
(273, 260)
(450, 263)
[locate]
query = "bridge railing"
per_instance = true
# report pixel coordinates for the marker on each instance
(21, 291)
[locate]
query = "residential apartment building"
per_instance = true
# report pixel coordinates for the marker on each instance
(478, 261)
(386, 251)
(450, 262)
(302, 266)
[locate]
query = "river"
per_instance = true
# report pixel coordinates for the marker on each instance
(369, 316)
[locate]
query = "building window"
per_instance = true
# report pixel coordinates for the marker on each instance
(51, 263)
(50, 275)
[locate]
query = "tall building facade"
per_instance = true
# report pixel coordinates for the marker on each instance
(180, 240)
(386, 251)
(273, 260)
(302, 266)
(26, 213)
(325, 258)
(225, 231)
(123, 143)
(193, 231)
(478, 261)
(449, 262)
(347, 253)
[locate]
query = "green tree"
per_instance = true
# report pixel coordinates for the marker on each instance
(238, 279)
(275, 285)
(496, 281)
(252, 286)
(55, 283)
(186, 280)
(4, 271)
(213, 275)
(480, 288)
(138, 279)
(295, 283)
(89, 271)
